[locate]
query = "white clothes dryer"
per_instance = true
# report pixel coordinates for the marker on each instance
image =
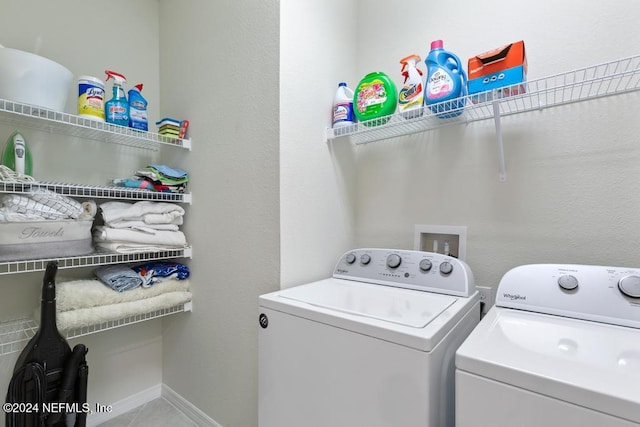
(561, 347)
(372, 346)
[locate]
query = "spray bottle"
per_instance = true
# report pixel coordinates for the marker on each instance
(411, 96)
(138, 118)
(117, 108)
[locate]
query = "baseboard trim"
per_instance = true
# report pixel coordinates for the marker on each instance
(187, 408)
(125, 405)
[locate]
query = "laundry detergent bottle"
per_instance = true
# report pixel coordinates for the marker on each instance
(117, 108)
(411, 95)
(446, 83)
(375, 97)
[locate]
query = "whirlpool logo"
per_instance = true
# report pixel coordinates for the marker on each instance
(513, 297)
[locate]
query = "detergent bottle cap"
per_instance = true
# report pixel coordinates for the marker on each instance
(139, 87)
(118, 79)
(342, 84)
(436, 44)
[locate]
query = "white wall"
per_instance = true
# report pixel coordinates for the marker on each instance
(318, 44)
(571, 191)
(219, 63)
(73, 33)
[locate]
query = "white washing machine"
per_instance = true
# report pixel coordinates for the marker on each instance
(372, 346)
(561, 347)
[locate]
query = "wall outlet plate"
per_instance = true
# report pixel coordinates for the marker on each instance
(442, 239)
(487, 298)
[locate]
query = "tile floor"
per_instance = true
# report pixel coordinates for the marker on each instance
(157, 413)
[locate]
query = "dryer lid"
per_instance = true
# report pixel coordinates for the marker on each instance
(586, 363)
(414, 309)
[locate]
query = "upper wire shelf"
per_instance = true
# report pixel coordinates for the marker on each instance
(95, 191)
(605, 79)
(49, 120)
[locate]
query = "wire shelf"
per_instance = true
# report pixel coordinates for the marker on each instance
(48, 120)
(95, 191)
(91, 260)
(15, 334)
(583, 84)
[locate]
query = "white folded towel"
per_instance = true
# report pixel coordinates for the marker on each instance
(85, 317)
(143, 226)
(156, 237)
(84, 293)
(134, 248)
(146, 211)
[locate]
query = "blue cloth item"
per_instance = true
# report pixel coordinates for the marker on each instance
(170, 172)
(156, 271)
(119, 277)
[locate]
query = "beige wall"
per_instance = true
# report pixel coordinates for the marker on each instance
(219, 63)
(571, 192)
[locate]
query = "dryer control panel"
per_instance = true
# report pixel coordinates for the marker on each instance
(588, 292)
(424, 271)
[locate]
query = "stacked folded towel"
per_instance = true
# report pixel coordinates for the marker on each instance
(81, 303)
(140, 227)
(122, 278)
(159, 271)
(156, 178)
(164, 177)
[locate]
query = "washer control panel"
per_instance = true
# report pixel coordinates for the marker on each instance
(425, 271)
(588, 292)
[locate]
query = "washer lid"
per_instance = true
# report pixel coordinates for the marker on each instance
(586, 363)
(407, 308)
(416, 319)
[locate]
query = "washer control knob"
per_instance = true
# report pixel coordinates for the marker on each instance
(394, 261)
(446, 267)
(351, 258)
(365, 259)
(630, 286)
(425, 265)
(568, 282)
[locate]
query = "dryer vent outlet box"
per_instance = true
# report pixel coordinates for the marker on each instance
(443, 239)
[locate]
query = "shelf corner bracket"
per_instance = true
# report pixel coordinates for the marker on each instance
(501, 163)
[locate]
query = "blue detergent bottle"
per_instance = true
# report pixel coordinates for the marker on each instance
(446, 84)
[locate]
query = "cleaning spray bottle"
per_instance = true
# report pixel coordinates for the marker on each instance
(17, 156)
(138, 118)
(446, 81)
(117, 108)
(411, 95)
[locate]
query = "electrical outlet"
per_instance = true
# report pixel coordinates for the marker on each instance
(486, 298)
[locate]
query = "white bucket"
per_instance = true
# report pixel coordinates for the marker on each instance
(91, 98)
(35, 80)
